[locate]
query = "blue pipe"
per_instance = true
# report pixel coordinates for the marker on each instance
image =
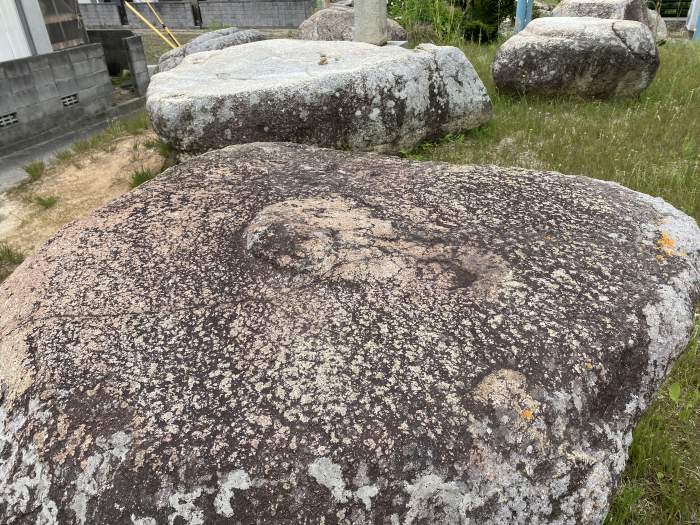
(521, 15)
(528, 16)
(696, 35)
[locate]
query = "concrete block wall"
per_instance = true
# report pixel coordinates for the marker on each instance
(101, 15)
(256, 13)
(46, 92)
(112, 41)
(176, 15)
(137, 64)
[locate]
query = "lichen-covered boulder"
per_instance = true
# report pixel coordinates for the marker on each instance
(214, 40)
(615, 9)
(657, 25)
(586, 57)
(336, 23)
(275, 333)
(346, 95)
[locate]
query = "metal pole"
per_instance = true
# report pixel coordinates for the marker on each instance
(528, 16)
(160, 20)
(151, 26)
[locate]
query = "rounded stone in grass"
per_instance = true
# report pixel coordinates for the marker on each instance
(346, 95)
(607, 9)
(585, 57)
(276, 333)
(336, 23)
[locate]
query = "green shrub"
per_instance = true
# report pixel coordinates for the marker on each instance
(478, 31)
(483, 18)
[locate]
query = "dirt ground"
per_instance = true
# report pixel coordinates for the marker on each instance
(80, 185)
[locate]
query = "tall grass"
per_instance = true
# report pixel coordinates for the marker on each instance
(430, 20)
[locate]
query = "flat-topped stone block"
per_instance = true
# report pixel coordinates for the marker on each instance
(346, 95)
(586, 57)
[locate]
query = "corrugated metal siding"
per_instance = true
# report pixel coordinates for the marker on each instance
(13, 41)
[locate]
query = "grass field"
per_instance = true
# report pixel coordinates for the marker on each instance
(650, 144)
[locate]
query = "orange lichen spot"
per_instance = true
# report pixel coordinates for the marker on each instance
(660, 258)
(528, 415)
(666, 244)
(589, 365)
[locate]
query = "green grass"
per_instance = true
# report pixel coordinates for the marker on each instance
(35, 170)
(46, 202)
(9, 260)
(140, 176)
(134, 124)
(650, 144)
(163, 149)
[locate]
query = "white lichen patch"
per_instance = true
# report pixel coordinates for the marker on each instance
(98, 472)
(185, 508)
(24, 479)
(236, 480)
(330, 475)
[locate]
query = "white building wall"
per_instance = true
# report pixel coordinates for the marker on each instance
(13, 42)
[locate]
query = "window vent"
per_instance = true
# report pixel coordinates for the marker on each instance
(70, 100)
(8, 120)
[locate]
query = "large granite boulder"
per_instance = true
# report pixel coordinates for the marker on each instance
(275, 333)
(346, 95)
(657, 25)
(615, 9)
(214, 40)
(586, 57)
(336, 22)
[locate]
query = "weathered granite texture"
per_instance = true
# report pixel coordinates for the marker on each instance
(283, 334)
(346, 95)
(615, 9)
(336, 23)
(214, 40)
(657, 26)
(586, 57)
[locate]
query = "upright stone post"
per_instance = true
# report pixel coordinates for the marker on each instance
(370, 22)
